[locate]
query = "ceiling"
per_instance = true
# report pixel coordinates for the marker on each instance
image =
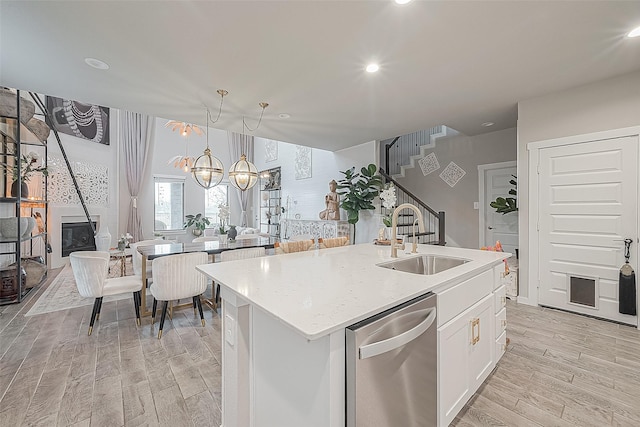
(458, 63)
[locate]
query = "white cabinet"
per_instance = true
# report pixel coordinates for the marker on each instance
(500, 308)
(466, 344)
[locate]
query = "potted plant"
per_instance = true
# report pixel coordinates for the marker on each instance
(198, 222)
(358, 191)
(223, 214)
(505, 205)
(388, 198)
(28, 166)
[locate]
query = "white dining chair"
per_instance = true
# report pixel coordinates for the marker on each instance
(90, 269)
(175, 277)
(136, 257)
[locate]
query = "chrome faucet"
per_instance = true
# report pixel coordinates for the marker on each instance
(394, 226)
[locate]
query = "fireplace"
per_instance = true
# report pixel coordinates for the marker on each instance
(77, 236)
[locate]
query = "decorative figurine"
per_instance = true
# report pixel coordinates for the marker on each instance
(332, 203)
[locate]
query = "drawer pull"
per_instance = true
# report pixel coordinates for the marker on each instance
(504, 324)
(503, 301)
(475, 339)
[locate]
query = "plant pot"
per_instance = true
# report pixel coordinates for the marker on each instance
(24, 187)
(10, 227)
(196, 232)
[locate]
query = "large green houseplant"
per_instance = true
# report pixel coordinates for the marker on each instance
(505, 205)
(358, 189)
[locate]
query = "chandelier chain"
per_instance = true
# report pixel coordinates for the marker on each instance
(246, 126)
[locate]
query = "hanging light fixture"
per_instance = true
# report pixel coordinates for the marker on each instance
(243, 174)
(208, 170)
(184, 128)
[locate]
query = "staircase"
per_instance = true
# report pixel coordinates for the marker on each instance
(402, 152)
(434, 222)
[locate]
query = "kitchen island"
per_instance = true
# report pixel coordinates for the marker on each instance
(284, 320)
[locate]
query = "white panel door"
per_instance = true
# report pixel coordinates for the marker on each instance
(498, 226)
(588, 199)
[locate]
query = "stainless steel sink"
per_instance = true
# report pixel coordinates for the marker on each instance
(423, 264)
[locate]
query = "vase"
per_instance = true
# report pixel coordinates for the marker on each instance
(232, 233)
(23, 186)
(122, 246)
(103, 239)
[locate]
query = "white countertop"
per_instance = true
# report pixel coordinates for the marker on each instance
(321, 291)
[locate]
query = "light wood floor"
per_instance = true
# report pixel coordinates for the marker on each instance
(560, 370)
(53, 373)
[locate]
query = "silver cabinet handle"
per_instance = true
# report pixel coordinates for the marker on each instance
(392, 343)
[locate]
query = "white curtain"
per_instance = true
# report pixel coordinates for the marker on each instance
(240, 144)
(136, 132)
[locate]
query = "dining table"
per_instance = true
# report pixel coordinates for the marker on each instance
(165, 248)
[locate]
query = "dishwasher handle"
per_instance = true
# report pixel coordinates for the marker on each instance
(376, 348)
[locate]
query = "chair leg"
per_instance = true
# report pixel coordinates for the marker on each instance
(153, 311)
(96, 305)
(217, 298)
(197, 298)
(136, 304)
(194, 305)
(164, 314)
(99, 308)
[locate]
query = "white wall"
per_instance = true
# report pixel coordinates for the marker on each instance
(461, 219)
(604, 105)
(80, 150)
(306, 196)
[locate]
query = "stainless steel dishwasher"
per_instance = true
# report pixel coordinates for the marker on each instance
(391, 367)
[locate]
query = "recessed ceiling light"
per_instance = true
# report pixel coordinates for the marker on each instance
(634, 33)
(284, 115)
(96, 63)
(402, 1)
(372, 68)
(487, 124)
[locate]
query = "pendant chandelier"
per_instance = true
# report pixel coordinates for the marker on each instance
(184, 128)
(243, 174)
(208, 170)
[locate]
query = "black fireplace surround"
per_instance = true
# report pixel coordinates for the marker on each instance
(77, 236)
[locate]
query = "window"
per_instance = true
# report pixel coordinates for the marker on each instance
(169, 203)
(214, 197)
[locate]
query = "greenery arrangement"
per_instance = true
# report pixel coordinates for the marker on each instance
(197, 221)
(358, 191)
(28, 165)
(504, 205)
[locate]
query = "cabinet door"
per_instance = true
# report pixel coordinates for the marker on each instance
(463, 365)
(482, 348)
